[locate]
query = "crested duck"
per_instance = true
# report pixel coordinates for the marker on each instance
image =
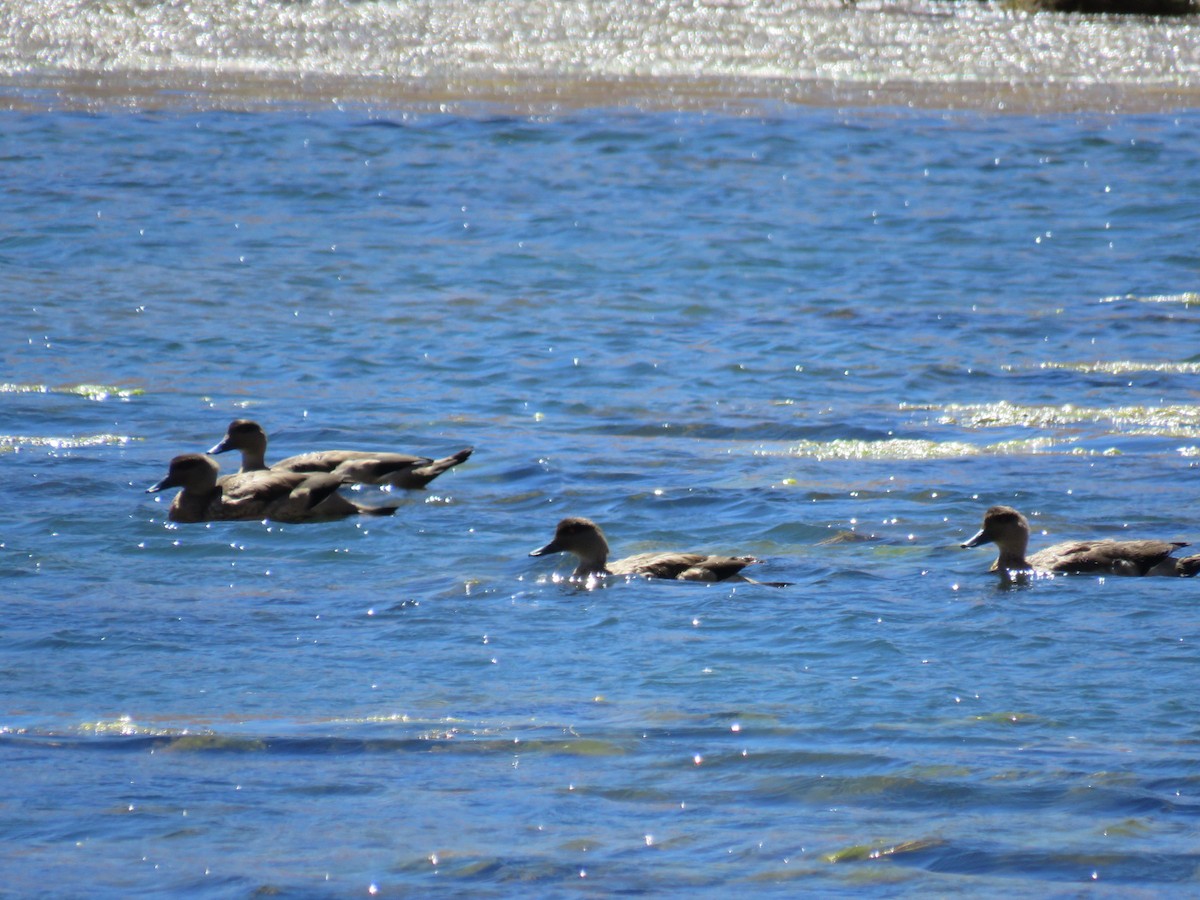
(354, 466)
(1009, 531)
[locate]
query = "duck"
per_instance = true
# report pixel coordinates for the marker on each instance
(1009, 531)
(400, 470)
(583, 538)
(207, 496)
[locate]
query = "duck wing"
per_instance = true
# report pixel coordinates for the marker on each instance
(362, 462)
(681, 566)
(268, 494)
(364, 467)
(419, 476)
(1114, 557)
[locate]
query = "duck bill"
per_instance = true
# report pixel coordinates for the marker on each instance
(551, 547)
(161, 486)
(980, 538)
(222, 446)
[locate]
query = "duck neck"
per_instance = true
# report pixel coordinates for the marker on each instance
(191, 504)
(1012, 552)
(588, 570)
(592, 567)
(254, 459)
(1011, 561)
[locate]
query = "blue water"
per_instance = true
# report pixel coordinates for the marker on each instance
(732, 333)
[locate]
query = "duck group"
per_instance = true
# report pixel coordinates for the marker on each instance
(305, 488)
(300, 488)
(283, 496)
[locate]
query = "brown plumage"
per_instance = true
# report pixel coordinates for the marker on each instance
(281, 496)
(354, 466)
(1009, 531)
(583, 538)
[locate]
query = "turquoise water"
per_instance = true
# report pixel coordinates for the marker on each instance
(746, 334)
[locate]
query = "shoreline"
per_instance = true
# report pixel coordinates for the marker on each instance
(181, 90)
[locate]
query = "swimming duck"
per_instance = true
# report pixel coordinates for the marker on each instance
(1009, 531)
(354, 466)
(282, 496)
(585, 540)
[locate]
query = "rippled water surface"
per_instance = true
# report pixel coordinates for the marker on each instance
(829, 339)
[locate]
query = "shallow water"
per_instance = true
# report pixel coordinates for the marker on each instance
(827, 338)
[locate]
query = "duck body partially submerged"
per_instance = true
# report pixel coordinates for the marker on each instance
(584, 539)
(1009, 531)
(400, 470)
(208, 496)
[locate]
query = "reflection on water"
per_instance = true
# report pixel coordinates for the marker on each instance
(651, 52)
(1167, 421)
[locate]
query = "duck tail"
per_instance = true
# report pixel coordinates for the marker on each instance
(743, 577)
(1188, 567)
(377, 510)
(422, 475)
(774, 584)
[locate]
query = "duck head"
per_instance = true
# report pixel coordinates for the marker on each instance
(190, 471)
(1009, 531)
(245, 435)
(581, 537)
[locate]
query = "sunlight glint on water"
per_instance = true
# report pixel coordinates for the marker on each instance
(828, 339)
